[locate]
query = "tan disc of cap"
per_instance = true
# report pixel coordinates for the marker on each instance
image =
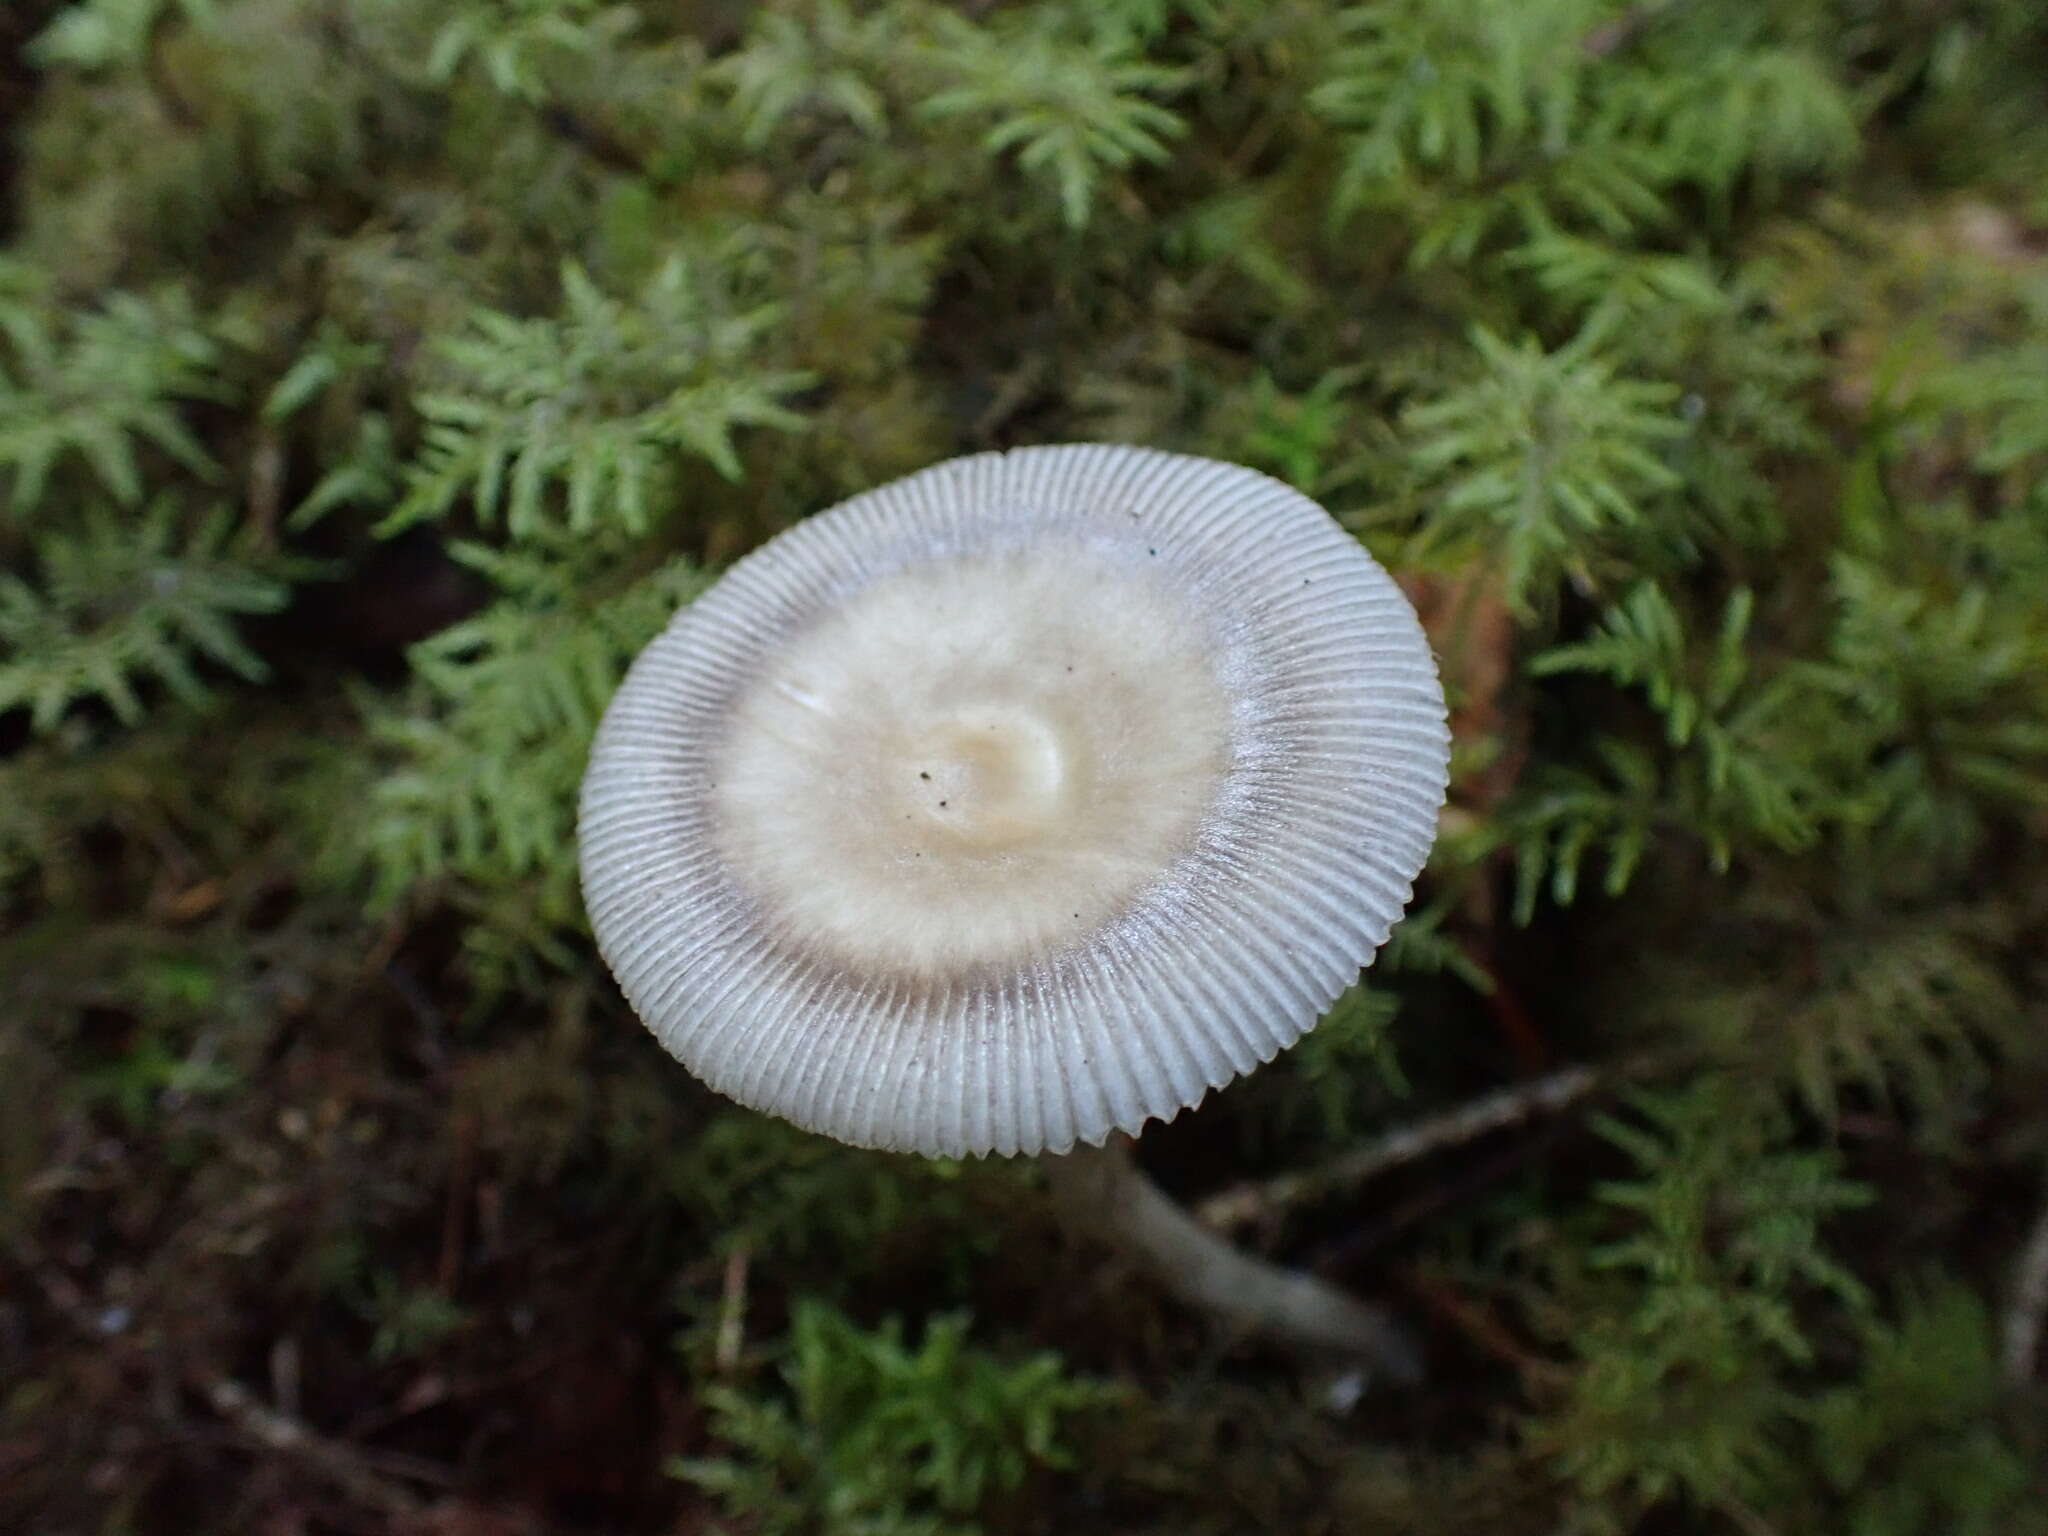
(1016, 802)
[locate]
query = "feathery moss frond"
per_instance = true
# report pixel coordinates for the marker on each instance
(125, 600)
(1073, 112)
(829, 63)
(1744, 778)
(103, 34)
(1769, 112)
(1683, 1393)
(87, 384)
(1474, 115)
(510, 41)
(597, 404)
(1441, 84)
(1910, 1444)
(1562, 815)
(1542, 458)
(879, 1436)
(486, 760)
(1947, 698)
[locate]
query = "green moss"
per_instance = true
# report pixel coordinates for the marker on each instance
(377, 375)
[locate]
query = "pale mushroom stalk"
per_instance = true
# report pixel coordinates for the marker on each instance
(1102, 1191)
(1016, 804)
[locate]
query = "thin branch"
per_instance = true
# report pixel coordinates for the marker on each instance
(1241, 1204)
(1346, 1251)
(375, 1479)
(65, 1296)
(2029, 1303)
(1102, 1191)
(1477, 1323)
(732, 1311)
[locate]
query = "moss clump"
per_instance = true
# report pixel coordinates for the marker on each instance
(376, 375)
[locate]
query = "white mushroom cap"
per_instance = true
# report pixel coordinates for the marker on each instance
(1017, 802)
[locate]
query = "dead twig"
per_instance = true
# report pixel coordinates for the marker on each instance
(732, 1311)
(374, 1479)
(1434, 1196)
(1477, 1322)
(1242, 1204)
(64, 1294)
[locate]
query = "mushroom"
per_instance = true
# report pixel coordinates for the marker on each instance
(1015, 803)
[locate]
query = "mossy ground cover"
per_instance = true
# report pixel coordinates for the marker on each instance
(377, 375)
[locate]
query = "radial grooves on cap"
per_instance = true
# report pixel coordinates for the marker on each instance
(1295, 877)
(1219, 1038)
(1128, 1067)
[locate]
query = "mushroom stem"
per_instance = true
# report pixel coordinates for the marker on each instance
(2029, 1303)
(1102, 1191)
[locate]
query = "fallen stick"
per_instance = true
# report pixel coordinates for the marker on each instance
(1244, 1203)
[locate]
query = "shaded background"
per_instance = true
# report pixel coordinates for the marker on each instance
(376, 376)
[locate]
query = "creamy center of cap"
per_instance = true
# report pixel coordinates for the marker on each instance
(973, 762)
(997, 776)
